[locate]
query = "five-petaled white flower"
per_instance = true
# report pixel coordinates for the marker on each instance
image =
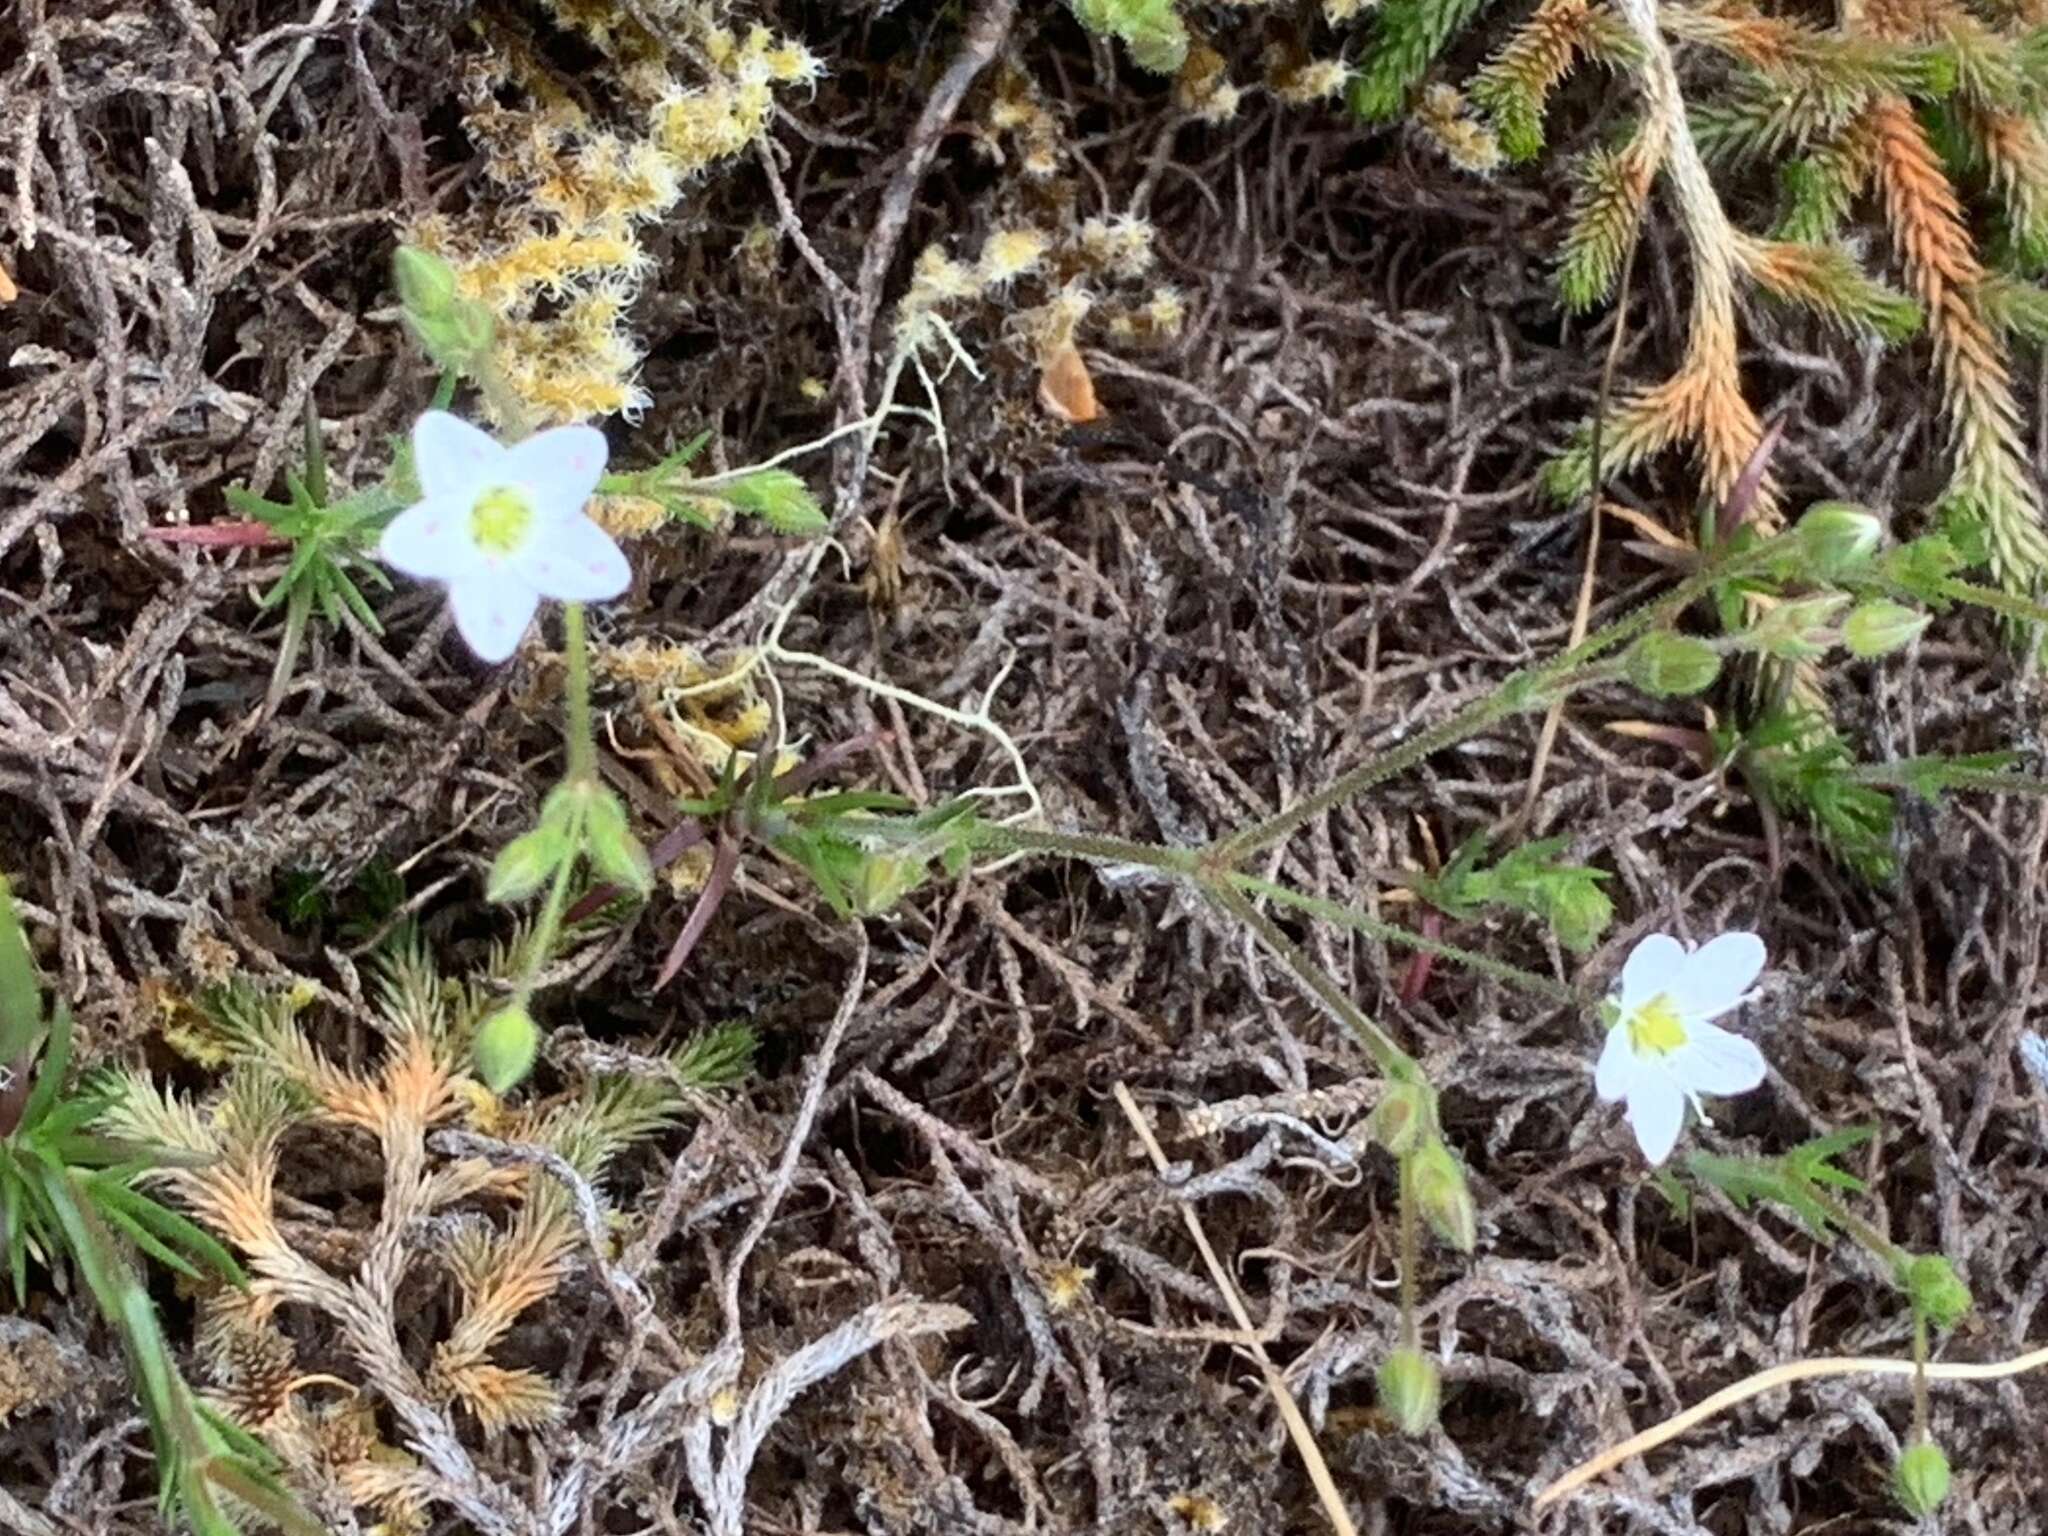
(1662, 1052)
(503, 527)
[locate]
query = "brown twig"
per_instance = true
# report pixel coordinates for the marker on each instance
(1765, 1381)
(1290, 1413)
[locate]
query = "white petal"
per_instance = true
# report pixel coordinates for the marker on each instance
(575, 562)
(1652, 966)
(560, 467)
(1616, 1069)
(1713, 1061)
(1656, 1111)
(1716, 975)
(453, 458)
(492, 610)
(431, 539)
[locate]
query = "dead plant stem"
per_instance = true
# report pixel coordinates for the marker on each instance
(1290, 1412)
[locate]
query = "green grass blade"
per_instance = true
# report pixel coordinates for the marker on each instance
(21, 1000)
(56, 1061)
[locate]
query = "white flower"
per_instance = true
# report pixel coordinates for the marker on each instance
(504, 527)
(1662, 1051)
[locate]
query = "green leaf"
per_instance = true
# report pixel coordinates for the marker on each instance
(113, 1197)
(1794, 1180)
(50, 1071)
(614, 852)
(1407, 37)
(21, 999)
(717, 1057)
(525, 864)
(775, 496)
(1151, 29)
(1528, 879)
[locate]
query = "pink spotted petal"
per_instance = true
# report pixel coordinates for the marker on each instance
(492, 610)
(453, 458)
(431, 540)
(576, 562)
(559, 468)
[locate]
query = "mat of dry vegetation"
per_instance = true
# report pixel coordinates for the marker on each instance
(915, 1274)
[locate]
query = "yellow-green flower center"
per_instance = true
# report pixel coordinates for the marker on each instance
(500, 520)
(1655, 1027)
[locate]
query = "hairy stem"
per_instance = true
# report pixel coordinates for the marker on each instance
(582, 745)
(1411, 1250)
(1395, 1064)
(1518, 692)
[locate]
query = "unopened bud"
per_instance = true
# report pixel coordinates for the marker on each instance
(1410, 1389)
(1668, 665)
(1443, 1196)
(1881, 626)
(426, 283)
(506, 1044)
(1921, 1478)
(525, 863)
(1936, 1290)
(1837, 537)
(1798, 630)
(1403, 1117)
(455, 332)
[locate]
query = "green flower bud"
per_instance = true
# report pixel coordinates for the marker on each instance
(1798, 630)
(426, 283)
(615, 853)
(1670, 665)
(1937, 1290)
(506, 1044)
(779, 498)
(1443, 1195)
(883, 880)
(1403, 1117)
(455, 332)
(1837, 537)
(1579, 912)
(1881, 626)
(1410, 1388)
(1920, 1480)
(524, 864)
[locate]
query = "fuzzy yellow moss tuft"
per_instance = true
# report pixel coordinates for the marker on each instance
(1465, 141)
(557, 252)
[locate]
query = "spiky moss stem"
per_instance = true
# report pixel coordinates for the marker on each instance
(1989, 479)
(1726, 428)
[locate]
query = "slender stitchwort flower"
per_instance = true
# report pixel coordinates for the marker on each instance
(503, 527)
(1662, 1050)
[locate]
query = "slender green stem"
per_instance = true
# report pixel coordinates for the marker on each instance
(1393, 933)
(1958, 591)
(1184, 862)
(582, 744)
(1875, 1242)
(1411, 1254)
(1985, 781)
(1394, 1063)
(1920, 1414)
(548, 927)
(1520, 691)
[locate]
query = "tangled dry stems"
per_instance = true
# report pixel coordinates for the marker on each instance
(848, 1296)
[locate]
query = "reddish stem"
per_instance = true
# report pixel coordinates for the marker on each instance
(1417, 976)
(725, 858)
(220, 535)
